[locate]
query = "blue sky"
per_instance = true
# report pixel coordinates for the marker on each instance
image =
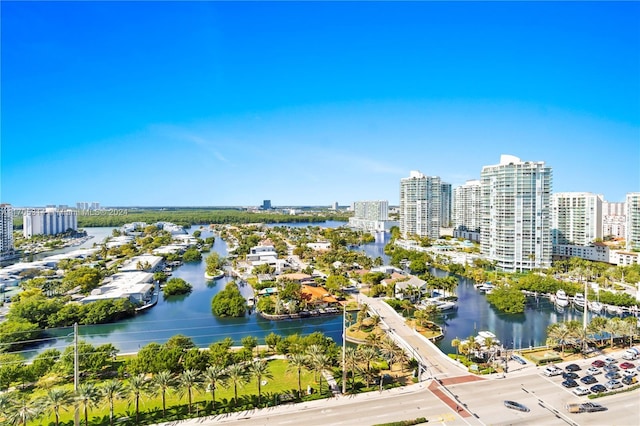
(230, 103)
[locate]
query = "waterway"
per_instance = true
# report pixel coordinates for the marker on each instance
(191, 315)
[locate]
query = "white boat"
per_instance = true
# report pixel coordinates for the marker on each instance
(561, 298)
(595, 307)
(486, 287)
(614, 310)
(446, 306)
(483, 335)
(579, 301)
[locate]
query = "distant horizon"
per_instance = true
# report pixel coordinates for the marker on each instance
(309, 103)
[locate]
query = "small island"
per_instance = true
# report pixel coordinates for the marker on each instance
(214, 266)
(176, 286)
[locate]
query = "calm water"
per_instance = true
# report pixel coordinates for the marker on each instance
(191, 315)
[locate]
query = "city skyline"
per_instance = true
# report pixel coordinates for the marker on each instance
(212, 104)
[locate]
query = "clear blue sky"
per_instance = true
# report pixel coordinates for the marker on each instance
(197, 103)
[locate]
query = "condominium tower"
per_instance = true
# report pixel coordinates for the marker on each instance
(6, 230)
(420, 197)
(614, 220)
(445, 205)
(516, 222)
(49, 221)
(467, 203)
(370, 215)
(576, 218)
(632, 213)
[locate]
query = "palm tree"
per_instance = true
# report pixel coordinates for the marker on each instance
(558, 334)
(112, 390)
(88, 396)
(351, 362)
(136, 386)
(6, 404)
(612, 327)
(237, 374)
(629, 327)
(187, 381)
(456, 344)
(23, 413)
(367, 354)
(320, 361)
(389, 349)
(597, 326)
(260, 369)
(163, 382)
(373, 339)
(214, 375)
(55, 399)
(298, 361)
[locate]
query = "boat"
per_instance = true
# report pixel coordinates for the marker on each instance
(446, 306)
(614, 310)
(480, 286)
(486, 287)
(579, 301)
(561, 298)
(595, 307)
(482, 337)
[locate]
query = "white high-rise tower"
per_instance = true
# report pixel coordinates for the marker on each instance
(516, 219)
(420, 205)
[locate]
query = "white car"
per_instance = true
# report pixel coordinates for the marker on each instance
(630, 372)
(593, 371)
(581, 390)
(552, 371)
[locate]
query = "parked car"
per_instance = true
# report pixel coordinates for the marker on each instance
(598, 363)
(598, 388)
(627, 365)
(516, 406)
(613, 384)
(573, 367)
(566, 375)
(589, 380)
(612, 375)
(594, 371)
(609, 360)
(611, 367)
(581, 390)
(631, 373)
(570, 383)
(629, 380)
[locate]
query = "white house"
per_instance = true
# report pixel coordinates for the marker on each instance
(410, 289)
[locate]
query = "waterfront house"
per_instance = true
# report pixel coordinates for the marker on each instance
(411, 289)
(317, 297)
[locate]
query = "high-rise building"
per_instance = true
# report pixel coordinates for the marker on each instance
(49, 221)
(632, 213)
(6, 230)
(576, 218)
(445, 205)
(516, 217)
(614, 220)
(420, 205)
(467, 202)
(84, 205)
(370, 215)
(334, 206)
(266, 205)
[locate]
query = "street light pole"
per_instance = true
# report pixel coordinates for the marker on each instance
(344, 349)
(76, 373)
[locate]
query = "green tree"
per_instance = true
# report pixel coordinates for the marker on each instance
(319, 361)
(112, 390)
(259, 369)
(163, 382)
(192, 255)
(249, 342)
(272, 340)
(507, 298)
(54, 400)
(213, 376)
(229, 302)
(335, 283)
(23, 413)
(87, 396)
(176, 286)
(188, 381)
(137, 385)
(297, 361)
(237, 375)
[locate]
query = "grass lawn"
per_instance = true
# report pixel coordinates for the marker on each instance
(283, 382)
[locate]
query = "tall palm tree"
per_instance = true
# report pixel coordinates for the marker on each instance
(213, 376)
(6, 404)
(367, 354)
(163, 382)
(597, 326)
(373, 339)
(456, 343)
(389, 349)
(112, 390)
(237, 375)
(558, 334)
(629, 327)
(297, 361)
(88, 396)
(351, 359)
(319, 362)
(23, 413)
(612, 327)
(137, 385)
(54, 400)
(260, 369)
(188, 380)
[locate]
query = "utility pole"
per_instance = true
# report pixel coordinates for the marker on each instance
(344, 349)
(76, 373)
